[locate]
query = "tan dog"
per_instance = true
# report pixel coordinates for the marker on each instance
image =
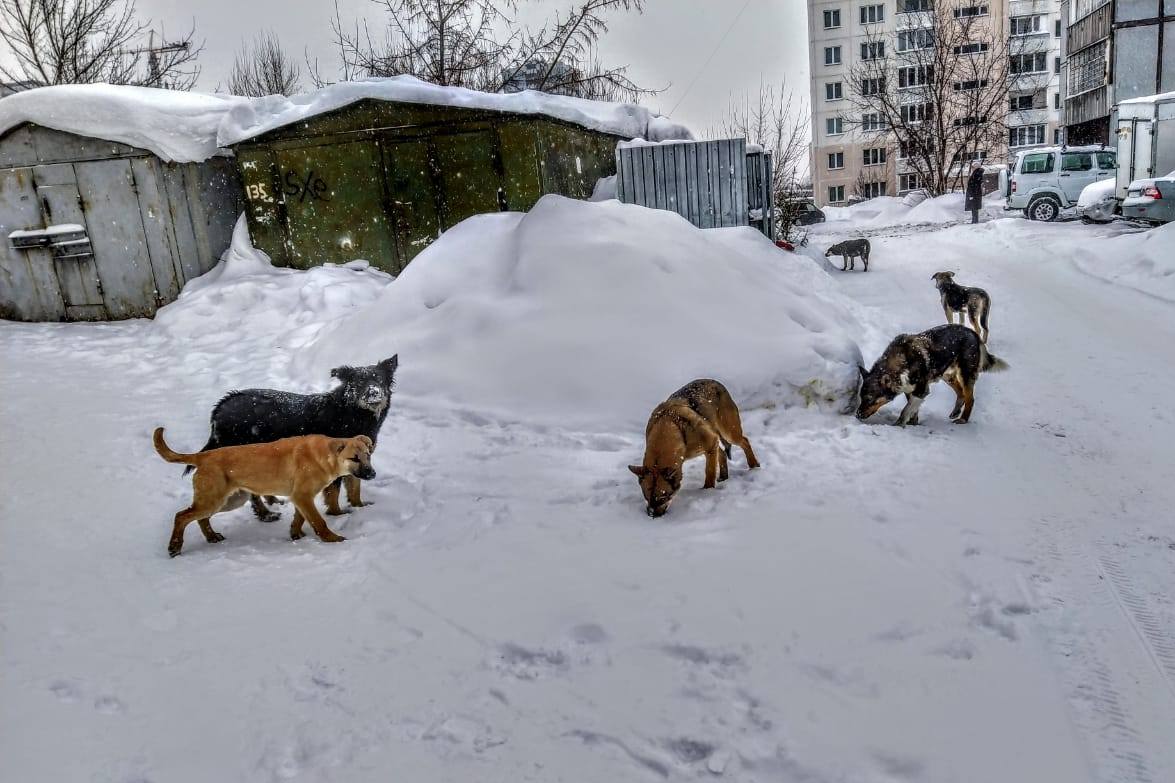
(298, 468)
(699, 418)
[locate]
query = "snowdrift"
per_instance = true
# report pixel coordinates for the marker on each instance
(910, 209)
(245, 298)
(1144, 261)
(176, 126)
(587, 314)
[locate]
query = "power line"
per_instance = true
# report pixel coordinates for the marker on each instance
(717, 46)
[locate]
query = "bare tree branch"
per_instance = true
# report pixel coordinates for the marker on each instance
(86, 41)
(264, 69)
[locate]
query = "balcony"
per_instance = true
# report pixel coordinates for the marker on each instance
(1027, 117)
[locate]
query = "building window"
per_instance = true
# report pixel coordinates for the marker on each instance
(908, 182)
(1056, 100)
(1056, 135)
(871, 14)
(968, 11)
(913, 40)
(834, 126)
(1026, 136)
(970, 84)
(874, 156)
(1025, 25)
(967, 156)
(833, 91)
(910, 147)
(1087, 69)
(1030, 63)
(1058, 32)
(1057, 64)
(836, 194)
(972, 48)
(914, 6)
(913, 112)
(873, 50)
(872, 86)
(836, 160)
(831, 19)
(873, 189)
(914, 76)
(872, 122)
(1021, 102)
(832, 55)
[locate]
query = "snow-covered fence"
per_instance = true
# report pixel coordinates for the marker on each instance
(712, 184)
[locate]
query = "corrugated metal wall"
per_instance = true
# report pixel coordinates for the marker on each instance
(712, 184)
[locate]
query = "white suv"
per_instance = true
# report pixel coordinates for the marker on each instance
(1045, 180)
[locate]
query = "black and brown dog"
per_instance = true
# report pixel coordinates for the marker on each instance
(357, 406)
(298, 468)
(912, 362)
(698, 419)
(960, 299)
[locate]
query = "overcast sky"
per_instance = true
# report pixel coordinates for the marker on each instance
(667, 46)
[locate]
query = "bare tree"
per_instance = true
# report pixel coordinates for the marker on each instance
(264, 69)
(873, 178)
(86, 41)
(940, 97)
(777, 120)
(480, 44)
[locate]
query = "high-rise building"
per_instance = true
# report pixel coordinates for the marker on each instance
(850, 158)
(1114, 50)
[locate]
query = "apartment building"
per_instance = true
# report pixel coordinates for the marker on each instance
(1113, 50)
(849, 159)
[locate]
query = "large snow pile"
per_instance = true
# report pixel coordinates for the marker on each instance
(176, 126)
(275, 111)
(1144, 261)
(908, 210)
(1095, 192)
(587, 314)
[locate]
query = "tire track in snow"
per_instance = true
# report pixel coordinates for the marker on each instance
(1153, 638)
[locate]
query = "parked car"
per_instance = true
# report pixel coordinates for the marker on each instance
(1045, 180)
(1152, 200)
(807, 213)
(1099, 202)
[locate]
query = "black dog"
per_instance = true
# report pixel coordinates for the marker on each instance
(849, 251)
(358, 406)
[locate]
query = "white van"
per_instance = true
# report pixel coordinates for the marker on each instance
(1045, 180)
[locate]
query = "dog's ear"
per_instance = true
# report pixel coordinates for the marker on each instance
(366, 441)
(638, 470)
(388, 367)
(344, 373)
(861, 369)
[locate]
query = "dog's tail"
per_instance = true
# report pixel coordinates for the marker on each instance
(166, 452)
(209, 446)
(989, 362)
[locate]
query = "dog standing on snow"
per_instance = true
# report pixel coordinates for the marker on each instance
(960, 299)
(298, 468)
(912, 362)
(699, 418)
(849, 251)
(357, 406)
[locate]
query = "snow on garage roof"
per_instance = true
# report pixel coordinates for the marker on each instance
(1163, 96)
(176, 126)
(262, 115)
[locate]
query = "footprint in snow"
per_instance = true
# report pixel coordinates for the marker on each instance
(108, 705)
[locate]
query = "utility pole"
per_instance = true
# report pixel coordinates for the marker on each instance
(152, 51)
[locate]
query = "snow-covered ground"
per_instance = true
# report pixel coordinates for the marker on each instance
(989, 602)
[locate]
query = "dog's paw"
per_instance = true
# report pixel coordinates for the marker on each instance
(332, 538)
(269, 517)
(361, 504)
(215, 538)
(337, 512)
(173, 551)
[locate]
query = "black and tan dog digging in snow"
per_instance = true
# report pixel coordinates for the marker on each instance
(357, 406)
(849, 251)
(699, 418)
(912, 362)
(960, 299)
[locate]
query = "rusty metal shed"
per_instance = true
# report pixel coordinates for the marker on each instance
(95, 228)
(390, 164)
